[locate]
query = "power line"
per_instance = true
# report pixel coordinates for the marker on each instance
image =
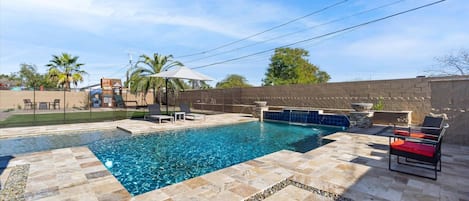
(327, 34)
(262, 57)
(267, 30)
(295, 32)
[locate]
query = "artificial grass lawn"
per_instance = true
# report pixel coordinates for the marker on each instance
(72, 117)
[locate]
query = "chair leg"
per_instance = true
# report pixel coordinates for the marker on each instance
(389, 161)
(439, 160)
(435, 168)
(440, 164)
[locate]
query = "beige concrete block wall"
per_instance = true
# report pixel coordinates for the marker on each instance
(14, 99)
(452, 97)
(140, 98)
(448, 95)
(402, 94)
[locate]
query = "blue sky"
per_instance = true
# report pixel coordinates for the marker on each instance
(103, 33)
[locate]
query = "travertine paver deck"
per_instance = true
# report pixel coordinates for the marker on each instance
(354, 166)
(132, 126)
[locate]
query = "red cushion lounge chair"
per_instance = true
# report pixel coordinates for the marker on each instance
(430, 129)
(424, 152)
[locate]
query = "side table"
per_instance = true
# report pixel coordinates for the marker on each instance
(179, 115)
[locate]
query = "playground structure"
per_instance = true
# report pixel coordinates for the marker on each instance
(110, 88)
(111, 94)
(108, 96)
(95, 97)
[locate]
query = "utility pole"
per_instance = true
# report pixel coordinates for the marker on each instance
(127, 75)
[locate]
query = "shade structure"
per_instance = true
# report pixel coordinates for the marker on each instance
(180, 72)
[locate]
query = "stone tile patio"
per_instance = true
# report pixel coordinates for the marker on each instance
(353, 167)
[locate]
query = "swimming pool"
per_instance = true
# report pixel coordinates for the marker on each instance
(148, 162)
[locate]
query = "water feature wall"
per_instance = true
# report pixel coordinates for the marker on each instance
(307, 117)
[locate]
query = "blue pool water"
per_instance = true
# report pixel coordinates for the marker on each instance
(147, 162)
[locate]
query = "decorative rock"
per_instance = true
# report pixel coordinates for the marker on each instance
(281, 185)
(16, 183)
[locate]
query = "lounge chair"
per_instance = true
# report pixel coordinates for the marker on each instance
(154, 112)
(423, 152)
(430, 129)
(55, 104)
(185, 108)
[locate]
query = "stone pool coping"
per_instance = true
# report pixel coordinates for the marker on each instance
(129, 125)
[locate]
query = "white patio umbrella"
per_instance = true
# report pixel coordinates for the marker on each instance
(180, 72)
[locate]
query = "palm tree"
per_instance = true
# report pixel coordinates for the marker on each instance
(146, 66)
(65, 70)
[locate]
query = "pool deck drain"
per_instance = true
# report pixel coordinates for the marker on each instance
(353, 166)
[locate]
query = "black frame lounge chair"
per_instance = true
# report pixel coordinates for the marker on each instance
(154, 112)
(423, 152)
(28, 104)
(55, 104)
(185, 108)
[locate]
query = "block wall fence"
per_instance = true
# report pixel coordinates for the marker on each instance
(448, 95)
(422, 96)
(14, 99)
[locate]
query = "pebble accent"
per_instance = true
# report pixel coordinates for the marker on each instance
(281, 185)
(16, 183)
(269, 191)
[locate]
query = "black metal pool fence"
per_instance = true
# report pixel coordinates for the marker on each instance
(39, 106)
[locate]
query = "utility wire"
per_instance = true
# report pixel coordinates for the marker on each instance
(262, 57)
(295, 32)
(327, 34)
(267, 30)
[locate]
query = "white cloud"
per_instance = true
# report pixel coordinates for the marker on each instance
(94, 16)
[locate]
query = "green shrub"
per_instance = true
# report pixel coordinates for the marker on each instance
(379, 105)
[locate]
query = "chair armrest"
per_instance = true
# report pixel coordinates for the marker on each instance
(413, 139)
(415, 127)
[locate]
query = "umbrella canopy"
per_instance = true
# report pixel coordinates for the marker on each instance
(180, 72)
(183, 72)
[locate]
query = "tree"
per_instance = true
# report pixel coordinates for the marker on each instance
(11, 80)
(199, 84)
(31, 78)
(146, 66)
(29, 75)
(233, 81)
(453, 63)
(290, 66)
(65, 69)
